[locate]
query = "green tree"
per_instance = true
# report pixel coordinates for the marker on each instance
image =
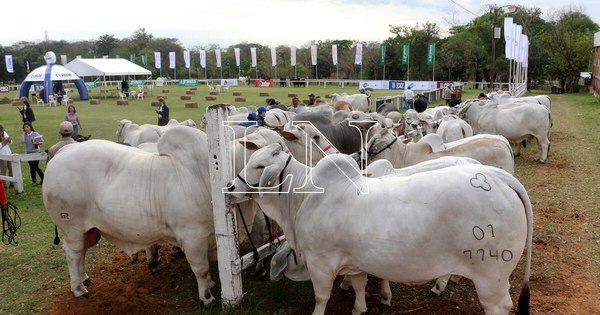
(569, 41)
(105, 45)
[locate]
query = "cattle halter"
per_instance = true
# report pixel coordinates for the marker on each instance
(370, 153)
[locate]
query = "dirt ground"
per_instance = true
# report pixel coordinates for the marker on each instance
(564, 273)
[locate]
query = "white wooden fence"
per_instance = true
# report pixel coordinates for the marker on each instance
(15, 165)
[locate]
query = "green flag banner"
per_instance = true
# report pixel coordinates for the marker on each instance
(132, 57)
(382, 54)
(90, 85)
(405, 53)
(117, 56)
(430, 53)
(145, 59)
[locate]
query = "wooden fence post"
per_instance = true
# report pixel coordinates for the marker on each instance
(221, 172)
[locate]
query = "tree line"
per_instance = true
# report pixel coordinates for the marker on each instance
(560, 48)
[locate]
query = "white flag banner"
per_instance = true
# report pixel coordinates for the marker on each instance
(523, 48)
(218, 56)
(293, 55)
(334, 54)
(203, 58)
(526, 52)
(237, 56)
(253, 55)
(63, 59)
(186, 58)
(171, 60)
(313, 54)
(9, 63)
(517, 39)
(358, 57)
(157, 59)
(508, 33)
(273, 56)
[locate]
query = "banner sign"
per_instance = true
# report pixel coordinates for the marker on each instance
(421, 85)
(132, 57)
(358, 55)
(4, 89)
(9, 63)
(237, 56)
(203, 59)
(229, 82)
(405, 53)
(334, 55)
(375, 85)
(382, 54)
(396, 85)
(188, 82)
(263, 83)
(171, 60)
(430, 53)
(273, 56)
(186, 58)
(253, 56)
(90, 85)
(313, 54)
(293, 55)
(443, 84)
(136, 83)
(157, 59)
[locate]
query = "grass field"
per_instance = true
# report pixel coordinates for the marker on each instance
(564, 191)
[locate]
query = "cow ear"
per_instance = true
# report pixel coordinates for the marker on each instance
(267, 179)
(279, 263)
(288, 135)
(249, 145)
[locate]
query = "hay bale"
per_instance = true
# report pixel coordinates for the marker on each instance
(191, 105)
(94, 102)
(292, 95)
(5, 100)
(210, 98)
(240, 99)
(193, 88)
(155, 104)
(263, 94)
(213, 93)
(185, 97)
(122, 102)
(165, 91)
(189, 92)
(237, 93)
(17, 103)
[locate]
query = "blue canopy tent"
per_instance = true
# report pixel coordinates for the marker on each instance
(49, 74)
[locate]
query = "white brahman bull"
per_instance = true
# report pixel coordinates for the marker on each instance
(507, 98)
(490, 150)
(515, 123)
(358, 102)
(453, 128)
(135, 199)
(490, 210)
(134, 134)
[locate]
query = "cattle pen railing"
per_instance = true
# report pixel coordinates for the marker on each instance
(15, 165)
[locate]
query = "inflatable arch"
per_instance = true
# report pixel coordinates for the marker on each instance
(50, 58)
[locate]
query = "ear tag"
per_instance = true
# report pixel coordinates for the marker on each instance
(269, 183)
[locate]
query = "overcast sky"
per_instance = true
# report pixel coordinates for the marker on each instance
(228, 22)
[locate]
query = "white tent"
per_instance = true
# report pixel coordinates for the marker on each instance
(105, 67)
(56, 73)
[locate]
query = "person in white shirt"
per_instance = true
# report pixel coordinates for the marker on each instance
(5, 143)
(408, 98)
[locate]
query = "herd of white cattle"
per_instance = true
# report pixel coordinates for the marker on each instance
(405, 197)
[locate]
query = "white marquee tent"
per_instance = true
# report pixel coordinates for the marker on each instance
(100, 68)
(105, 67)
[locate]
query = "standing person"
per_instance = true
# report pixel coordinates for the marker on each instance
(125, 88)
(296, 106)
(448, 93)
(163, 112)
(32, 140)
(311, 99)
(26, 112)
(73, 118)
(65, 129)
(5, 143)
(409, 98)
(260, 118)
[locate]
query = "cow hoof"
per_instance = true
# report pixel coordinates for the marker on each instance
(385, 304)
(87, 282)
(83, 296)
(154, 266)
(208, 304)
(541, 161)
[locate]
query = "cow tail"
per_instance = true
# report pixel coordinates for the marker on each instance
(523, 304)
(56, 238)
